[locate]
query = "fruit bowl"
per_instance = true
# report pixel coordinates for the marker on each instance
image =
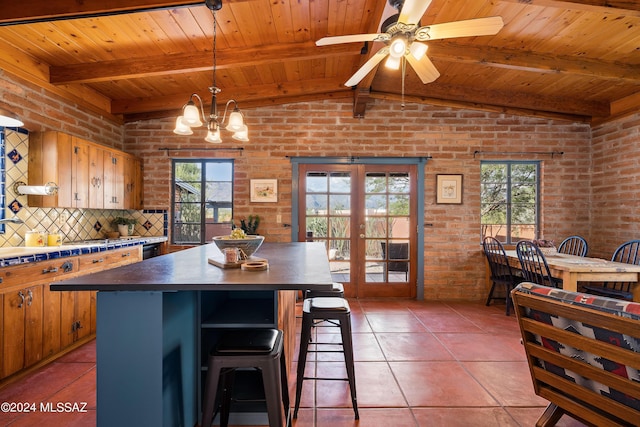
(249, 244)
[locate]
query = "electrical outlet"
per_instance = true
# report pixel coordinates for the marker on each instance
(278, 219)
(62, 219)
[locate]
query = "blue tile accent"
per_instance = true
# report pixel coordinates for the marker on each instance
(14, 156)
(15, 206)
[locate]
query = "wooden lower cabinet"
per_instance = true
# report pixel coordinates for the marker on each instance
(37, 323)
(23, 324)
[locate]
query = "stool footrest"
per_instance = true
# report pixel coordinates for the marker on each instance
(325, 379)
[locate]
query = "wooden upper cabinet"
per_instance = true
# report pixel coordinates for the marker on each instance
(88, 175)
(96, 176)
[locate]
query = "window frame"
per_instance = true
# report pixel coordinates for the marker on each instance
(204, 162)
(508, 223)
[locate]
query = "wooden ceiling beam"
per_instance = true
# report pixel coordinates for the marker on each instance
(623, 7)
(514, 99)
(243, 95)
(195, 61)
(29, 11)
(531, 61)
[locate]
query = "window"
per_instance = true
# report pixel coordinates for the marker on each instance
(509, 200)
(202, 200)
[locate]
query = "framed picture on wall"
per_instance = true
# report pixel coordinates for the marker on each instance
(449, 189)
(264, 190)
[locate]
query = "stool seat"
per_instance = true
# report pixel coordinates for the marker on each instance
(337, 290)
(326, 304)
(261, 349)
(256, 341)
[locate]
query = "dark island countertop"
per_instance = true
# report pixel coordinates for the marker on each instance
(292, 266)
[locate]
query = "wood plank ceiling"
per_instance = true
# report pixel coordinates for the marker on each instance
(573, 60)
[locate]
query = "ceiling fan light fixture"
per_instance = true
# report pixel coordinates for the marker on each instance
(181, 128)
(398, 47)
(392, 63)
(418, 50)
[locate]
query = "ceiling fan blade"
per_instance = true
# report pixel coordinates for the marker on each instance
(413, 10)
(424, 68)
(467, 28)
(367, 67)
(350, 39)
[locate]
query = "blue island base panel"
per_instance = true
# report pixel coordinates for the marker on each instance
(146, 362)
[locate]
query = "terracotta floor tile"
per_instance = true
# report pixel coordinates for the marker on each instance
(368, 418)
(528, 417)
(463, 417)
(412, 346)
(446, 322)
(395, 322)
(508, 382)
(482, 347)
(439, 384)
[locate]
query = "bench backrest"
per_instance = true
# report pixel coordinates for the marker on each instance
(583, 352)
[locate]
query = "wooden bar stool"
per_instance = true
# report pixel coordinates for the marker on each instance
(325, 308)
(261, 349)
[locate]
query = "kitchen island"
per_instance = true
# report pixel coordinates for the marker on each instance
(157, 320)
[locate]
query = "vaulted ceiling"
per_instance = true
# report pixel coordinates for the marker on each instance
(137, 59)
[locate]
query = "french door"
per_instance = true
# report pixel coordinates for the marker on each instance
(365, 214)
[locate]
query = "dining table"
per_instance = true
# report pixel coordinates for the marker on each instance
(573, 269)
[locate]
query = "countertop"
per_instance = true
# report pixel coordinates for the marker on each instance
(21, 255)
(292, 266)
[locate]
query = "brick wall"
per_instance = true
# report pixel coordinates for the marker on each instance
(454, 265)
(42, 110)
(615, 185)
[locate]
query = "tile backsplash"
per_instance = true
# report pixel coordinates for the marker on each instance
(73, 224)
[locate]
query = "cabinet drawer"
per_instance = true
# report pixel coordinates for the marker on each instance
(109, 259)
(50, 270)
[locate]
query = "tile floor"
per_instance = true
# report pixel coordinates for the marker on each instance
(417, 364)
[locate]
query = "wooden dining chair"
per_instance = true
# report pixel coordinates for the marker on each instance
(627, 253)
(534, 265)
(574, 245)
(501, 272)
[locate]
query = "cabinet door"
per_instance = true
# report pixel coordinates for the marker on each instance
(13, 336)
(132, 183)
(80, 173)
(50, 321)
(113, 181)
(22, 331)
(96, 177)
(33, 326)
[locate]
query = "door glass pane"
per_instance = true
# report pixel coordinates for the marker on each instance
(339, 204)
(340, 182)
(376, 204)
(317, 182)
(316, 204)
(375, 227)
(339, 227)
(399, 227)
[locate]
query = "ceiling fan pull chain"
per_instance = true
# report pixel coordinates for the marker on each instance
(404, 68)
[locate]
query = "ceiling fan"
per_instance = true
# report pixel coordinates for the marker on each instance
(403, 37)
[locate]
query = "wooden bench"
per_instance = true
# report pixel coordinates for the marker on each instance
(583, 353)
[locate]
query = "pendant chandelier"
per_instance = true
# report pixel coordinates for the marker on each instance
(193, 111)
